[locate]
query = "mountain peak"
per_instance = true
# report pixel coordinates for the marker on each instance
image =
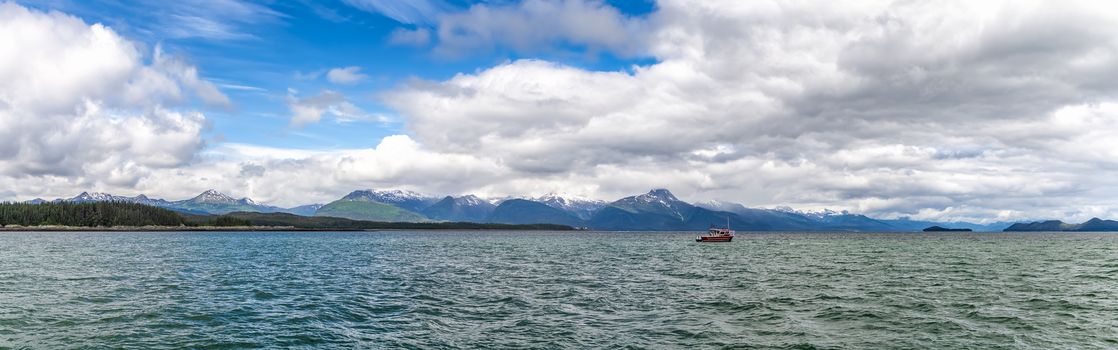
(580, 206)
(93, 197)
(470, 199)
(386, 196)
(213, 196)
(812, 213)
(563, 197)
(657, 200)
(662, 193)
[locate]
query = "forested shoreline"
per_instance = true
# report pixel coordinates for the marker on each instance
(98, 214)
(109, 214)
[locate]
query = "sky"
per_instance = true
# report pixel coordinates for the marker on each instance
(939, 110)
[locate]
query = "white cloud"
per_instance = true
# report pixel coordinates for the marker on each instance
(407, 12)
(310, 110)
(280, 176)
(345, 75)
(207, 19)
(78, 103)
(540, 25)
(417, 37)
(308, 75)
(947, 110)
(935, 110)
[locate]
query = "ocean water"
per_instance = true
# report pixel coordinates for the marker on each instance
(558, 290)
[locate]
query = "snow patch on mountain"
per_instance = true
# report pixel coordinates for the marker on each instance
(212, 196)
(818, 214)
(569, 202)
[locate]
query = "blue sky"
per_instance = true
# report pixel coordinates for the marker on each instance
(257, 51)
(983, 111)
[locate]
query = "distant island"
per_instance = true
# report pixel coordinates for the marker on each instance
(944, 229)
(1093, 225)
(116, 216)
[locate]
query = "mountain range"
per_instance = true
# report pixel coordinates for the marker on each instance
(1093, 225)
(657, 210)
(210, 202)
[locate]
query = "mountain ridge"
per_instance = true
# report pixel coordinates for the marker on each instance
(1092, 225)
(657, 210)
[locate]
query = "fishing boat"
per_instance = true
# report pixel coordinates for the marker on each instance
(717, 234)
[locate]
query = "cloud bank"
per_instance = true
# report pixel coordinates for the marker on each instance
(83, 106)
(943, 110)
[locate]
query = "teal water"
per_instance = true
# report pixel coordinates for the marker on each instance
(557, 290)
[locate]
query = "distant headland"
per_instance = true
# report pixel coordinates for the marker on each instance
(1093, 225)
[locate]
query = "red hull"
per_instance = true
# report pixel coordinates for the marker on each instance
(714, 238)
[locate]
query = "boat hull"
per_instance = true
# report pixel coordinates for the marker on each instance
(714, 238)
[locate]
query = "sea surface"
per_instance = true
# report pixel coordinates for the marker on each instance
(489, 290)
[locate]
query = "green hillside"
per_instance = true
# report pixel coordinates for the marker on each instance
(332, 223)
(219, 208)
(368, 210)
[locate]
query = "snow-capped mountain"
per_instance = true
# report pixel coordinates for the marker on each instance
(208, 202)
(215, 197)
(86, 197)
(386, 196)
(471, 200)
(142, 199)
(89, 197)
(658, 209)
(583, 208)
(469, 208)
(214, 202)
(304, 210)
(658, 200)
(818, 214)
(407, 200)
(722, 206)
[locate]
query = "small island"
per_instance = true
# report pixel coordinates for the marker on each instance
(944, 229)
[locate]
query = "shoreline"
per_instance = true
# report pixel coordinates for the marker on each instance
(240, 229)
(164, 229)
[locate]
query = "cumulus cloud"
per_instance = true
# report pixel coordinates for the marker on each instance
(345, 75)
(538, 25)
(80, 104)
(279, 176)
(980, 111)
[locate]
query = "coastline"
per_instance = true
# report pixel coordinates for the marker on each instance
(242, 229)
(163, 229)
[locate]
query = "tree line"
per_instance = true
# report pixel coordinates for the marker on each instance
(109, 214)
(94, 214)
(102, 214)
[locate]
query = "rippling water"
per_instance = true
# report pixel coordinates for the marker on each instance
(558, 290)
